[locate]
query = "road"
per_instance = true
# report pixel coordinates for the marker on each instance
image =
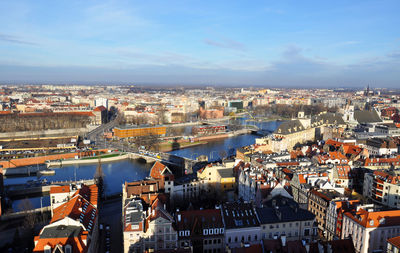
(110, 213)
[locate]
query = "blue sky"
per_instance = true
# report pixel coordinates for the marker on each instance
(271, 43)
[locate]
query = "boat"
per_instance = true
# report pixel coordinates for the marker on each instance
(47, 172)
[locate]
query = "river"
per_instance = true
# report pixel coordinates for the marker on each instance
(116, 173)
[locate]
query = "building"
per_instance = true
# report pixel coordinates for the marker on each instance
(318, 204)
(128, 132)
(148, 227)
(242, 225)
(282, 216)
(201, 230)
(393, 245)
(370, 230)
(100, 113)
(217, 181)
(383, 187)
(73, 227)
(101, 102)
(334, 217)
(287, 135)
(62, 194)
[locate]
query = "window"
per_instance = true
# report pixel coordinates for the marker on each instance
(249, 238)
(306, 232)
(68, 248)
(236, 239)
(229, 239)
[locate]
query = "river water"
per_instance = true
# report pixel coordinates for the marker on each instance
(116, 173)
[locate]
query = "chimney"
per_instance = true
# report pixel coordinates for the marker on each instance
(179, 217)
(283, 239)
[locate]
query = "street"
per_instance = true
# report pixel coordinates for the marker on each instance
(110, 214)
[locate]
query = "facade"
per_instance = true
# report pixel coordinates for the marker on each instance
(393, 245)
(218, 181)
(201, 230)
(287, 136)
(371, 230)
(127, 132)
(148, 229)
(334, 217)
(282, 216)
(382, 187)
(318, 204)
(242, 225)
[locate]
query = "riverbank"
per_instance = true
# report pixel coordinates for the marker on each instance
(167, 147)
(89, 160)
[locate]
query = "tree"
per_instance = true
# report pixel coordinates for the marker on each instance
(30, 218)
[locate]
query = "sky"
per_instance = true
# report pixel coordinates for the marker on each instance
(249, 43)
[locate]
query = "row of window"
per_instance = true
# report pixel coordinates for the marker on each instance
(243, 238)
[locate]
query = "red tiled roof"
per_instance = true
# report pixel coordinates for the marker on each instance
(59, 189)
(395, 241)
(157, 170)
(379, 219)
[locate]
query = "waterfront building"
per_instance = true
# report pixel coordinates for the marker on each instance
(73, 228)
(62, 194)
(127, 131)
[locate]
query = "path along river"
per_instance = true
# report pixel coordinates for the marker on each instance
(116, 173)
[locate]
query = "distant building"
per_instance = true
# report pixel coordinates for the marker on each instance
(101, 115)
(127, 132)
(101, 102)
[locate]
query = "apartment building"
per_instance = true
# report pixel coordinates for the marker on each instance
(370, 229)
(382, 187)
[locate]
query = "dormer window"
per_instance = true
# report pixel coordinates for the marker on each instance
(47, 249)
(371, 222)
(68, 248)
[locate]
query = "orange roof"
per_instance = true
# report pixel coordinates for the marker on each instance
(77, 208)
(158, 170)
(100, 108)
(333, 143)
(395, 241)
(59, 189)
(76, 243)
(375, 219)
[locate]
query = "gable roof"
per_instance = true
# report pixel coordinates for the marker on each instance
(158, 170)
(367, 116)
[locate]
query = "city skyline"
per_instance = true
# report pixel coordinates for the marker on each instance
(310, 44)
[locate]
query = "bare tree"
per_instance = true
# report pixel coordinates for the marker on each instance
(30, 218)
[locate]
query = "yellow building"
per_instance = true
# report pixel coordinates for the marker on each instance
(217, 180)
(126, 132)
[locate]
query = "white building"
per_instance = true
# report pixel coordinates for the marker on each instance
(370, 230)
